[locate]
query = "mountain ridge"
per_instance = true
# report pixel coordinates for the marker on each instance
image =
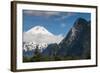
(76, 46)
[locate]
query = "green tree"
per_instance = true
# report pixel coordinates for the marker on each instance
(37, 55)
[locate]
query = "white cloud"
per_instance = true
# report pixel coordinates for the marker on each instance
(65, 16)
(41, 13)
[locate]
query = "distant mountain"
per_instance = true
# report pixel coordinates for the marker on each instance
(40, 36)
(39, 30)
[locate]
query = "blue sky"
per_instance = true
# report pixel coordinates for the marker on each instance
(58, 23)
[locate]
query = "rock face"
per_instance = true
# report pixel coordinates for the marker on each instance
(77, 42)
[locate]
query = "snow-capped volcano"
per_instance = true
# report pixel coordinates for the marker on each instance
(40, 36)
(39, 30)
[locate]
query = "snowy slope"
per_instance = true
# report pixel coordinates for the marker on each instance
(39, 35)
